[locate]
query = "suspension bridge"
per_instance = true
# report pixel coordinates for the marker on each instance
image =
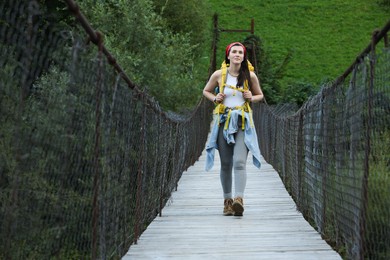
(192, 225)
(92, 167)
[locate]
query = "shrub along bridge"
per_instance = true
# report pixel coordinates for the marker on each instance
(88, 160)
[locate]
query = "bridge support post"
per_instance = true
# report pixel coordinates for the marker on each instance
(364, 195)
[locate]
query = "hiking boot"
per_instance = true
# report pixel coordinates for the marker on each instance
(227, 209)
(238, 206)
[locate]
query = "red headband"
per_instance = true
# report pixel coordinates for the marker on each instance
(231, 45)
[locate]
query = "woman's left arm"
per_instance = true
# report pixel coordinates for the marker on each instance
(255, 94)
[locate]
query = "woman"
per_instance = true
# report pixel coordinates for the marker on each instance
(233, 133)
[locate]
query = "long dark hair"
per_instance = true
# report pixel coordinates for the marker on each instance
(244, 73)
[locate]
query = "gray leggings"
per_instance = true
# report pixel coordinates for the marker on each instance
(233, 156)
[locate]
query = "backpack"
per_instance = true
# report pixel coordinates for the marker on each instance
(224, 67)
(221, 108)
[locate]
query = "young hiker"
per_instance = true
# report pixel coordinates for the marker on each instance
(233, 133)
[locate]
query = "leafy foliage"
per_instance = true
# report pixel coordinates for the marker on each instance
(268, 71)
(158, 59)
(187, 17)
(298, 93)
(271, 74)
(385, 3)
(33, 173)
(378, 211)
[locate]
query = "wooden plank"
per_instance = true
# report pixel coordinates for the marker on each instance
(192, 225)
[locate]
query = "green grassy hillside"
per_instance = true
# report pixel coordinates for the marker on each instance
(325, 36)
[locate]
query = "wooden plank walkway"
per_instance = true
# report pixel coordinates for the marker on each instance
(192, 225)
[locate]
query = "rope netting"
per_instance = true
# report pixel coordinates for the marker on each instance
(87, 160)
(333, 155)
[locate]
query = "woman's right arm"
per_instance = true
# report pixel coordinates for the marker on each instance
(208, 90)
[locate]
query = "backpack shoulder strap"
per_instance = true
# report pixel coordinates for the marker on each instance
(223, 77)
(224, 72)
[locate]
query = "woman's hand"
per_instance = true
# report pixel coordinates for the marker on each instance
(219, 97)
(247, 95)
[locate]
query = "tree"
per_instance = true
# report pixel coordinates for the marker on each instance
(186, 17)
(157, 59)
(268, 71)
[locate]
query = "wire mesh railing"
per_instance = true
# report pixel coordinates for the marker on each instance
(87, 159)
(333, 155)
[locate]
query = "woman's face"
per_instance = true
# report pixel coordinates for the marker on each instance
(236, 54)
